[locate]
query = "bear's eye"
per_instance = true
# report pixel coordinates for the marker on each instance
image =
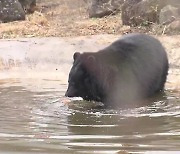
(72, 83)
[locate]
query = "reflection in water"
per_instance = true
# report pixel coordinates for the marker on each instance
(34, 119)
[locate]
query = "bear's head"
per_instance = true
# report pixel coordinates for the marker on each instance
(82, 81)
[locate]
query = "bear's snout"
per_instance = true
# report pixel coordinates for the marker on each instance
(71, 92)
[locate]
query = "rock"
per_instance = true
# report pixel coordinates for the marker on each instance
(28, 5)
(168, 13)
(175, 3)
(101, 8)
(127, 13)
(175, 26)
(143, 12)
(11, 10)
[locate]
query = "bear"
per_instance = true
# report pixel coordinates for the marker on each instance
(131, 69)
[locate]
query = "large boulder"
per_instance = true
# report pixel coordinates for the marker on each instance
(175, 3)
(175, 26)
(168, 14)
(144, 12)
(101, 8)
(11, 10)
(28, 5)
(127, 13)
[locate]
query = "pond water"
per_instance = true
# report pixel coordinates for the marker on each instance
(34, 120)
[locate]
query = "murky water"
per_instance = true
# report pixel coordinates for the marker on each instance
(34, 120)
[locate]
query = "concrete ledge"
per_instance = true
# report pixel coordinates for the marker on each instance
(52, 57)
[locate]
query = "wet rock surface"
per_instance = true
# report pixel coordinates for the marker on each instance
(52, 57)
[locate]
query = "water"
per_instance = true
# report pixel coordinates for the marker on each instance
(35, 120)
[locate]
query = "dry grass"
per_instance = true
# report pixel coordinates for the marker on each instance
(65, 18)
(62, 18)
(34, 25)
(52, 18)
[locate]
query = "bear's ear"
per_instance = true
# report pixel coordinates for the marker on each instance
(76, 55)
(91, 59)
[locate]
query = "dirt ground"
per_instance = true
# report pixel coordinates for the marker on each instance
(67, 18)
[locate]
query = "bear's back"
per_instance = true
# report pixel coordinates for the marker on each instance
(138, 58)
(136, 49)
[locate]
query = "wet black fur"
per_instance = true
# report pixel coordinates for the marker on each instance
(130, 69)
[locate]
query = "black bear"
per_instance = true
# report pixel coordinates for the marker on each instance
(131, 69)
